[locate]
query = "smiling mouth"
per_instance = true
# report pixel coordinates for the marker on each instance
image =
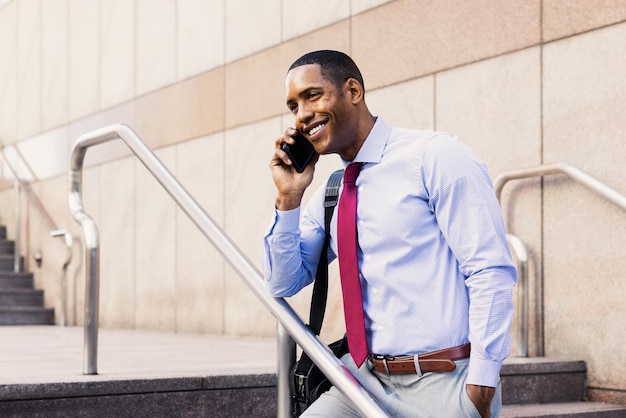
(316, 129)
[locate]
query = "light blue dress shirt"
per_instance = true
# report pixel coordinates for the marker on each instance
(435, 266)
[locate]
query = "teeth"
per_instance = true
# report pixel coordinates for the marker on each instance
(316, 129)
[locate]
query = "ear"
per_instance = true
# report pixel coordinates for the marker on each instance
(355, 90)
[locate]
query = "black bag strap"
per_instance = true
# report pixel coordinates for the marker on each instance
(320, 287)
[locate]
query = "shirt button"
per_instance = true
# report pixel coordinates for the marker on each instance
(361, 223)
(368, 257)
(360, 188)
(380, 329)
(375, 292)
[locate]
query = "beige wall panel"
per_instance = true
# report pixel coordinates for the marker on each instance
(494, 107)
(585, 236)
(28, 68)
(117, 57)
(255, 86)
(249, 201)
(8, 73)
(156, 44)
(421, 37)
(155, 249)
(584, 101)
(359, 6)
(200, 36)
(54, 77)
(46, 154)
(107, 151)
(199, 266)
(186, 110)
(117, 243)
(301, 17)
(251, 26)
(565, 18)
(84, 36)
(407, 105)
(7, 211)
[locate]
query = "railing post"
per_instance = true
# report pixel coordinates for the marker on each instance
(18, 221)
(286, 353)
(69, 244)
(522, 293)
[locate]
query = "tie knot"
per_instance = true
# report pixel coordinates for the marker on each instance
(352, 172)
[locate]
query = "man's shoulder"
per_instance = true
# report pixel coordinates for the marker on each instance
(421, 139)
(426, 134)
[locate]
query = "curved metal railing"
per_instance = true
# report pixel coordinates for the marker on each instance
(574, 173)
(289, 321)
(518, 247)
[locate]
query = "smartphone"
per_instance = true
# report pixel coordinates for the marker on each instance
(299, 152)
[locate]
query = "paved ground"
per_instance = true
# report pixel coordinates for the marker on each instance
(46, 354)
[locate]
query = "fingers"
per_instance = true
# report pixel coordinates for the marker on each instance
(280, 157)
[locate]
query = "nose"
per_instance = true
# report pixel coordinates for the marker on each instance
(305, 113)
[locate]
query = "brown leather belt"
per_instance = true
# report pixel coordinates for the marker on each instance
(434, 361)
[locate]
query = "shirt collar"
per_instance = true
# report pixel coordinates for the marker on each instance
(372, 149)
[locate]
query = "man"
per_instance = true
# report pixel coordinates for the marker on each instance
(433, 263)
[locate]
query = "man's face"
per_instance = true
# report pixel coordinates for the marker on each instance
(323, 112)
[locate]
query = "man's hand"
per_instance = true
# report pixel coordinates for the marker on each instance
(481, 396)
(290, 184)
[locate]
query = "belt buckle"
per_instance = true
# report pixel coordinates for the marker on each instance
(384, 359)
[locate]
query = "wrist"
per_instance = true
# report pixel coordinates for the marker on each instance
(288, 201)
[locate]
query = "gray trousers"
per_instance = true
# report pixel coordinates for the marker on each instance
(436, 395)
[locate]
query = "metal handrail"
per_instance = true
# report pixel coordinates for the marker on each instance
(54, 231)
(574, 173)
(518, 247)
(287, 318)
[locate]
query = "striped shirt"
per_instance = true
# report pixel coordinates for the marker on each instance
(435, 266)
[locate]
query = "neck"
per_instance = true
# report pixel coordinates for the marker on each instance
(363, 129)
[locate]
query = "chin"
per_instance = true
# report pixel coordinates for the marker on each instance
(321, 147)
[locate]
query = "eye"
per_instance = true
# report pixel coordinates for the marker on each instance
(293, 107)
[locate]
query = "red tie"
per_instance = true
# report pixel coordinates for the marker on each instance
(349, 267)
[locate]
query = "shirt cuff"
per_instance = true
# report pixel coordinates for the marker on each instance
(287, 220)
(483, 372)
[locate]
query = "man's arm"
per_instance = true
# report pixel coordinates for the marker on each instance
(291, 247)
(470, 219)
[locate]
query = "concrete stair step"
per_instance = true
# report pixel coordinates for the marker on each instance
(7, 262)
(156, 374)
(542, 380)
(9, 280)
(564, 410)
(7, 247)
(21, 297)
(210, 396)
(141, 374)
(26, 315)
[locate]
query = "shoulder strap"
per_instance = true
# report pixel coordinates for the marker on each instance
(320, 287)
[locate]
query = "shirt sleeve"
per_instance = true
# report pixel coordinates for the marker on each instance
(461, 196)
(292, 247)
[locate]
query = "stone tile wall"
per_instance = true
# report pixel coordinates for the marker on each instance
(523, 82)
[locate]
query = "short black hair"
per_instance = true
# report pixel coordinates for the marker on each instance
(335, 66)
